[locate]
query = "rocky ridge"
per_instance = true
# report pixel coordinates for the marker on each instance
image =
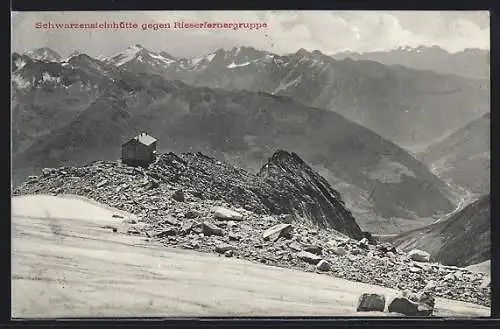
(195, 202)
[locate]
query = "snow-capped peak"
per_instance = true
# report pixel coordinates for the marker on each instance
(44, 54)
(141, 54)
(125, 56)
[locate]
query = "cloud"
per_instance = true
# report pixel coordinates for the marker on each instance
(286, 31)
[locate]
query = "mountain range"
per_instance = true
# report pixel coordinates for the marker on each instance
(241, 105)
(407, 106)
(470, 62)
(379, 180)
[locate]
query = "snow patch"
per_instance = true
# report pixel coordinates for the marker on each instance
(233, 65)
(20, 62)
(126, 56)
(46, 77)
(195, 61)
(20, 82)
(161, 58)
(210, 57)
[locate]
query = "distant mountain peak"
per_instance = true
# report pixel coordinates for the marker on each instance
(282, 156)
(44, 54)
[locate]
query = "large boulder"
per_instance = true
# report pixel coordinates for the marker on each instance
(309, 257)
(411, 304)
(277, 231)
(371, 303)
(211, 229)
(363, 243)
(227, 214)
(178, 196)
(323, 266)
(419, 255)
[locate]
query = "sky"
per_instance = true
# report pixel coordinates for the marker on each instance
(285, 31)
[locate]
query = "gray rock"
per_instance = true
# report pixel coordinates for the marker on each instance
(211, 229)
(419, 255)
(371, 303)
(178, 196)
(405, 306)
(223, 247)
(278, 231)
(323, 266)
(309, 257)
(363, 243)
(227, 214)
(171, 220)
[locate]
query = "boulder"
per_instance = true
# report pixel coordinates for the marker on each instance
(323, 266)
(371, 303)
(178, 196)
(223, 247)
(419, 255)
(278, 231)
(211, 229)
(413, 305)
(309, 258)
(171, 220)
(227, 214)
(363, 243)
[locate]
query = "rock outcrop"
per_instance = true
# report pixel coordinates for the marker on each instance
(317, 200)
(263, 203)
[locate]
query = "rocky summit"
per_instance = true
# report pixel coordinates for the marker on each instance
(286, 215)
